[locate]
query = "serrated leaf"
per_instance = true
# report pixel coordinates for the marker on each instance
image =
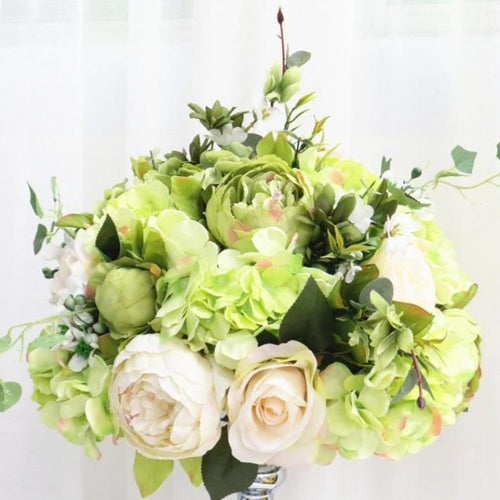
(107, 240)
(10, 393)
(298, 58)
(461, 299)
(309, 319)
(35, 205)
(40, 235)
(408, 385)
(383, 286)
(222, 473)
(150, 474)
(413, 316)
(463, 159)
(77, 221)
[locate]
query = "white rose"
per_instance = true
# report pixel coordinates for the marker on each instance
(275, 413)
(167, 398)
(399, 260)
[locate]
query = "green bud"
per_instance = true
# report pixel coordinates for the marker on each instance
(126, 301)
(69, 303)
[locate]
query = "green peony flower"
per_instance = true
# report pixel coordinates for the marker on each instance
(260, 193)
(126, 301)
(76, 404)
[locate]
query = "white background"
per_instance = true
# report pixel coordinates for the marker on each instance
(86, 84)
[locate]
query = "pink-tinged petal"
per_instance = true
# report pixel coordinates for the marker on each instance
(123, 229)
(185, 260)
(403, 422)
(437, 424)
(262, 264)
(270, 177)
(336, 177)
(61, 425)
(276, 213)
(239, 226)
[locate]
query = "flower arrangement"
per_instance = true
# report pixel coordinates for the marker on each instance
(253, 299)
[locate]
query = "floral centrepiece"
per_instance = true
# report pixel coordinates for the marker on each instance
(253, 299)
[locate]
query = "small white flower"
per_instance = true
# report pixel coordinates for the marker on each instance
(401, 224)
(270, 120)
(349, 270)
(228, 135)
(361, 216)
(73, 337)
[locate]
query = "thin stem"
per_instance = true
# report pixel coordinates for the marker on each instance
(281, 19)
(489, 180)
(421, 399)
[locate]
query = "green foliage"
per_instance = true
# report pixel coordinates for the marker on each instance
(222, 473)
(298, 58)
(463, 159)
(35, 205)
(385, 165)
(40, 235)
(217, 116)
(150, 474)
(414, 317)
(382, 286)
(279, 147)
(461, 299)
(107, 240)
(498, 150)
(76, 221)
(309, 320)
(192, 467)
(10, 393)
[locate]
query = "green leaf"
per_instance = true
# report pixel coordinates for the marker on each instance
(54, 188)
(5, 343)
(149, 473)
(403, 198)
(425, 385)
(414, 317)
(35, 205)
(309, 319)
(463, 159)
(107, 240)
(409, 383)
(498, 150)
(192, 466)
(222, 473)
(252, 140)
(351, 291)
(279, 147)
(77, 221)
(108, 346)
(385, 165)
(10, 393)
(461, 299)
(41, 234)
(382, 286)
(298, 58)
(344, 208)
(186, 194)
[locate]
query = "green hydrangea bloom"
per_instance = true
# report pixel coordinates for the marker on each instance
(75, 404)
(441, 257)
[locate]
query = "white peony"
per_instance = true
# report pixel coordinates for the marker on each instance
(275, 413)
(76, 260)
(402, 262)
(167, 398)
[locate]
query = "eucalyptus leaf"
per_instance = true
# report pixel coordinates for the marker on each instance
(35, 205)
(150, 474)
(383, 286)
(426, 385)
(463, 159)
(41, 234)
(77, 221)
(222, 473)
(309, 320)
(298, 58)
(252, 140)
(344, 208)
(107, 240)
(10, 393)
(409, 383)
(5, 343)
(498, 150)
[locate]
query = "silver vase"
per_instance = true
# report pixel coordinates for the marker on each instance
(268, 478)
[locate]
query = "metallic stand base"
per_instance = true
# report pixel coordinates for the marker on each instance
(268, 478)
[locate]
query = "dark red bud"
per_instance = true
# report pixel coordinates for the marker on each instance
(421, 402)
(280, 16)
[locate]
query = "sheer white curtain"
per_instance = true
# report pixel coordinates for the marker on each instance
(86, 84)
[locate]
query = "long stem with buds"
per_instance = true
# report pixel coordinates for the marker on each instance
(281, 19)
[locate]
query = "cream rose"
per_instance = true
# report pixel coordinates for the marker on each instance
(399, 260)
(167, 398)
(275, 411)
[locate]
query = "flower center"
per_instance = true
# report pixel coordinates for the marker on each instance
(271, 410)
